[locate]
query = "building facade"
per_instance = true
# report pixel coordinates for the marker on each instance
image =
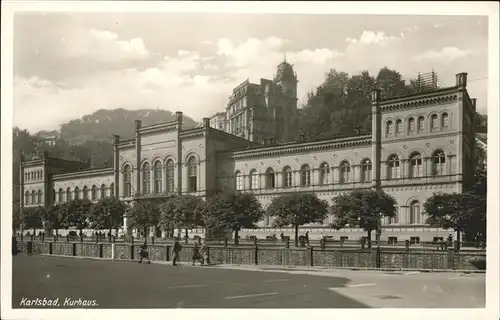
(262, 112)
(420, 144)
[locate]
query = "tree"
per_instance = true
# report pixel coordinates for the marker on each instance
(107, 214)
(391, 83)
(16, 217)
(296, 210)
(182, 211)
(364, 209)
(232, 210)
(464, 212)
(143, 215)
(32, 218)
(56, 217)
(78, 213)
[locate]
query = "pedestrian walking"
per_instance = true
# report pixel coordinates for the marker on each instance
(196, 254)
(204, 252)
(177, 249)
(144, 253)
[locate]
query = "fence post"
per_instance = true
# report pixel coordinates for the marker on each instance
(29, 247)
(50, 248)
(101, 253)
(113, 251)
(451, 259)
(167, 253)
(378, 257)
(132, 252)
(73, 247)
(311, 255)
(256, 255)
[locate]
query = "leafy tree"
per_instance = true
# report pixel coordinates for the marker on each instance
(232, 210)
(78, 213)
(16, 216)
(464, 212)
(391, 83)
(364, 209)
(296, 210)
(143, 215)
(107, 214)
(182, 211)
(32, 218)
(56, 217)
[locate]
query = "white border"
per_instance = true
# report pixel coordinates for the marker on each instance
(409, 8)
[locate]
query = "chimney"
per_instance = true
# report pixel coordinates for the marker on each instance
(178, 116)
(473, 101)
(461, 80)
(375, 95)
(138, 125)
(206, 122)
(116, 139)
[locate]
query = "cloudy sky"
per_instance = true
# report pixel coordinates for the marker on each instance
(70, 64)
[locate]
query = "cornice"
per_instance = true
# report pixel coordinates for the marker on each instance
(162, 127)
(420, 100)
(83, 174)
(126, 144)
(192, 133)
(277, 150)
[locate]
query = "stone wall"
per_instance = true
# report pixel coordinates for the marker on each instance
(339, 258)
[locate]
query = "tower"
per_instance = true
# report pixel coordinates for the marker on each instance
(285, 113)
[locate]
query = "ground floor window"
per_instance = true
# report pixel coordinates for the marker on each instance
(414, 240)
(392, 240)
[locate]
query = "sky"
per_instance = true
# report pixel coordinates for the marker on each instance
(67, 65)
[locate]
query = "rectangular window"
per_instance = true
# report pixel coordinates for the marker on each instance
(344, 238)
(414, 240)
(392, 240)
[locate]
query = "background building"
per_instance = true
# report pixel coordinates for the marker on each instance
(262, 112)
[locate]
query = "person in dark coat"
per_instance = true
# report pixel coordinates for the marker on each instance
(144, 253)
(196, 254)
(177, 249)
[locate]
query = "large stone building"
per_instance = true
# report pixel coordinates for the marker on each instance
(262, 112)
(420, 144)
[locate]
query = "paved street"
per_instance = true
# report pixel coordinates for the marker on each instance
(122, 284)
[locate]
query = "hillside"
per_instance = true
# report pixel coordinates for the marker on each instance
(102, 124)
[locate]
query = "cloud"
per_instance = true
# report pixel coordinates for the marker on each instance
(103, 45)
(372, 37)
(445, 56)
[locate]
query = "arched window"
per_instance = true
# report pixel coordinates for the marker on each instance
(411, 125)
(146, 178)
(192, 173)
(415, 216)
(93, 192)
(33, 197)
(61, 194)
(26, 197)
(127, 181)
(239, 180)
(85, 193)
(421, 124)
(399, 127)
(324, 174)
(416, 167)
(103, 191)
(157, 169)
(345, 171)
(434, 122)
(112, 190)
(270, 183)
(287, 177)
(444, 120)
(305, 176)
(77, 193)
(393, 167)
(439, 163)
(39, 200)
(254, 179)
(68, 195)
(170, 176)
(366, 170)
(390, 128)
